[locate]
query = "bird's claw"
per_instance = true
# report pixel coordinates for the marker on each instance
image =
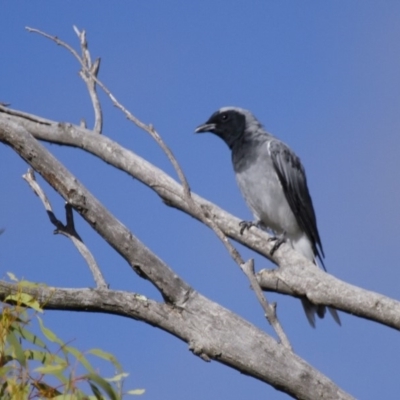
(245, 225)
(278, 241)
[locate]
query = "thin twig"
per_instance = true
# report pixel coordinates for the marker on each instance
(67, 230)
(88, 78)
(88, 73)
(270, 309)
(248, 269)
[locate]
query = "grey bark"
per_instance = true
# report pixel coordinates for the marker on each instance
(212, 332)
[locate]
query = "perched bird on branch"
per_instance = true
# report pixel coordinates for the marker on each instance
(274, 185)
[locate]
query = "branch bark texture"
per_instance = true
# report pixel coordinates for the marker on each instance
(212, 332)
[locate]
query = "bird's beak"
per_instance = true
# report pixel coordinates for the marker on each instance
(205, 128)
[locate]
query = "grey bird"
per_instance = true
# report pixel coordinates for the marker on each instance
(273, 182)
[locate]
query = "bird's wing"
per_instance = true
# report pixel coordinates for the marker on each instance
(294, 183)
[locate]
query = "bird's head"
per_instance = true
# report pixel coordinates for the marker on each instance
(229, 123)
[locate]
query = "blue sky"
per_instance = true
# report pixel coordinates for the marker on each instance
(322, 76)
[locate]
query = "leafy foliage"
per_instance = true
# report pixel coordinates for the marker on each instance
(31, 369)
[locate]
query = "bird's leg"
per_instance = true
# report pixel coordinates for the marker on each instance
(247, 225)
(279, 239)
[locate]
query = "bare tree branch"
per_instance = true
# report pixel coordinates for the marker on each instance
(269, 309)
(88, 79)
(322, 288)
(67, 230)
(88, 73)
(211, 331)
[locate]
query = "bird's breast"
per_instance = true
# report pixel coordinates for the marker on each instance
(264, 195)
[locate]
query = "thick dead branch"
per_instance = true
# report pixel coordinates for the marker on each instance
(211, 331)
(321, 288)
(102, 221)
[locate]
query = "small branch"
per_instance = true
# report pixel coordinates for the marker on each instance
(88, 73)
(270, 309)
(67, 230)
(248, 269)
(30, 117)
(88, 78)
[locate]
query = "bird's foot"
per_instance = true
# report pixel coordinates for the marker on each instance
(278, 241)
(246, 225)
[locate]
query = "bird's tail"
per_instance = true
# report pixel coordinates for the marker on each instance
(303, 245)
(311, 310)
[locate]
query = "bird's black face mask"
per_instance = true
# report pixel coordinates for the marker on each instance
(228, 125)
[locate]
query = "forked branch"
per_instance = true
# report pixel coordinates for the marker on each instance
(68, 229)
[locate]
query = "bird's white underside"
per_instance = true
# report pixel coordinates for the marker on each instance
(266, 199)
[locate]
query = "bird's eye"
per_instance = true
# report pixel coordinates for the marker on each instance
(224, 117)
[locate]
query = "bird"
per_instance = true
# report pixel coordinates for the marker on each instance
(273, 183)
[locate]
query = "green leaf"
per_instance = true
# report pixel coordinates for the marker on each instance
(25, 299)
(51, 369)
(3, 389)
(44, 357)
(97, 379)
(12, 297)
(65, 397)
(34, 304)
(118, 377)
(30, 284)
(96, 392)
(18, 351)
(29, 336)
(7, 357)
(83, 396)
(51, 360)
(50, 335)
(46, 390)
(80, 357)
(136, 391)
(106, 356)
(79, 395)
